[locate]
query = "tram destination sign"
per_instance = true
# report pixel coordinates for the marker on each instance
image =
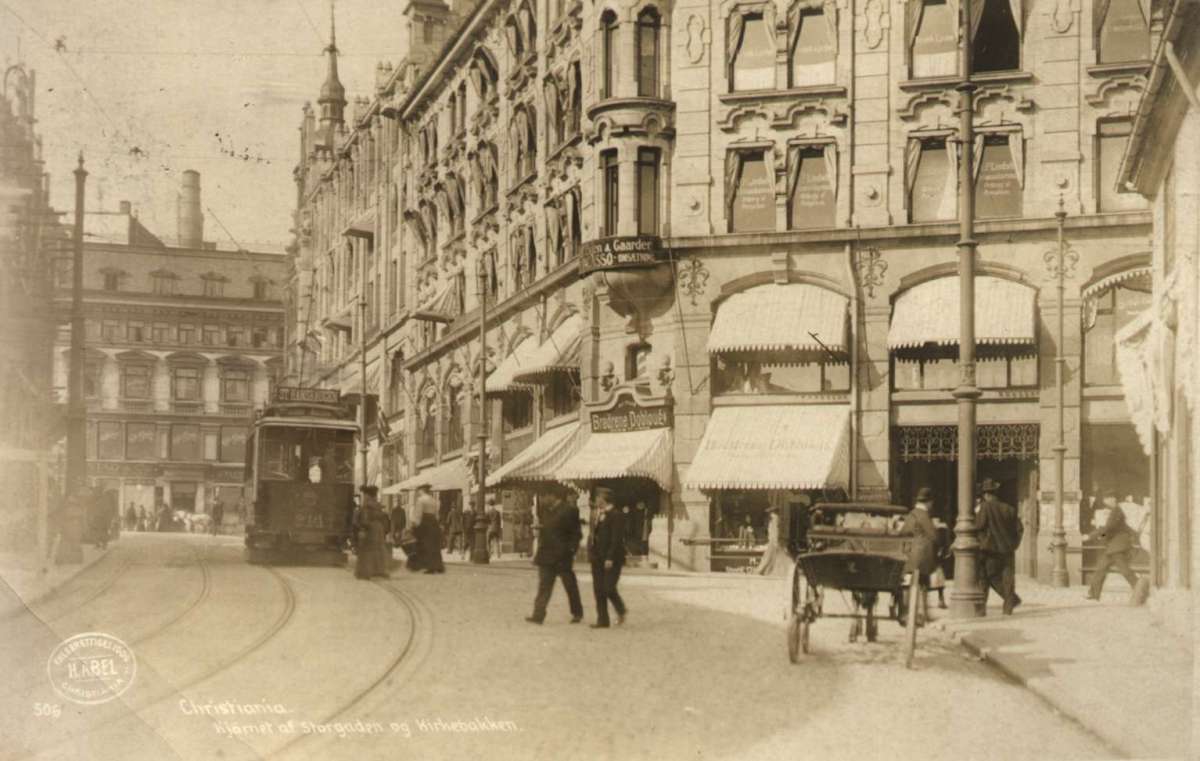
(621, 252)
(627, 416)
(296, 395)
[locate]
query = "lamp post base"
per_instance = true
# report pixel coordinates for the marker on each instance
(479, 551)
(1059, 577)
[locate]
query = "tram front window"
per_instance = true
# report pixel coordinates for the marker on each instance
(308, 455)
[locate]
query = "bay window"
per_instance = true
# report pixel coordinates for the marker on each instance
(648, 24)
(610, 195)
(647, 191)
(608, 55)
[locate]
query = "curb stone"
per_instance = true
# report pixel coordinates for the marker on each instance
(984, 654)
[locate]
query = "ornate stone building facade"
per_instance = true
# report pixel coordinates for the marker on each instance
(182, 343)
(717, 248)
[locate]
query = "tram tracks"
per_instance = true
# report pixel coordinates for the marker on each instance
(407, 658)
(132, 710)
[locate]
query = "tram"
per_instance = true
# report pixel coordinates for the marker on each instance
(299, 478)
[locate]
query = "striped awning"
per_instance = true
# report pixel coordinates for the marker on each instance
(773, 447)
(780, 318)
(449, 476)
(645, 454)
(501, 379)
(541, 460)
(559, 352)
(1103, 284)
(1005, 313)
(442, 306)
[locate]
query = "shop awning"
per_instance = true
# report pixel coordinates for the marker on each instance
(448, 476)
(501, 379)
(442, 306)
(1143, 348)
(541, 460)
(645, 454)
(1142, 274)
(1005, 313)
(780, 318)
(559, 352)
(773, 447)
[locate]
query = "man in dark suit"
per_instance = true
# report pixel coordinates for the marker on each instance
(923, 556)
(606, 552)
(1119, 540)
(558, 540)
(999, 529)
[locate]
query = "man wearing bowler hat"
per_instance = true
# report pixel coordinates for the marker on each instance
(999, 529)
(606, 552)
(558, 540)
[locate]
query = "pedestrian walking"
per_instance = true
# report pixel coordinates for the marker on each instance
(468, 535)
(606, 552)
(454, 529)
(558, 542)
(922, 557)
(999, 530)
(399, 523)
(218, 515)
(372, 528)
(427, 556)
(496, 526)
(773, 555)
(131, 517)
(1119, 540)
(143, 519)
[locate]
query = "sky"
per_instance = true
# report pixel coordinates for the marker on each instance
(149, 88)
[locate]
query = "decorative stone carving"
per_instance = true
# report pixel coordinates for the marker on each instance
(693, 278)
(871, 268)
(695, 38)
(873, 16)
(1061, 16)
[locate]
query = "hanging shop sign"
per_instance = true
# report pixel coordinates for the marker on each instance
(627, 415)
(620, 252)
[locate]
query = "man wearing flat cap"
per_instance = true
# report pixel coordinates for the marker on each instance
(999, 530)
(606, 552)
(558, 540)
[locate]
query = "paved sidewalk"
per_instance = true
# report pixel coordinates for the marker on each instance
(25, 579)
(1104, 664)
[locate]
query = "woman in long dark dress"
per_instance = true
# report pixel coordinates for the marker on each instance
(428, 556)
(372, 533)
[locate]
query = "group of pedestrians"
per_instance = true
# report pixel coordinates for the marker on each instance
(558, 541)
(460, 529)
(374, 532)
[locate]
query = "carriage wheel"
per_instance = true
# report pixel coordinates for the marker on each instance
(910, 639)
(797, 637)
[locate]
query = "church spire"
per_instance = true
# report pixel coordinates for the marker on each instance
(333, 96)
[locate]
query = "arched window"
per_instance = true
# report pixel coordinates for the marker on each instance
(648, 24)
(608, 55)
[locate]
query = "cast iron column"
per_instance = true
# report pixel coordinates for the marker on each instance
(966, 599)
(1060, 261)
(479, 551)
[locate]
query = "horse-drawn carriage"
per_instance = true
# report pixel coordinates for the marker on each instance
(860, 548)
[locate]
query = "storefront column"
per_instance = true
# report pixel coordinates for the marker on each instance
(873, 476)
(1035, 553)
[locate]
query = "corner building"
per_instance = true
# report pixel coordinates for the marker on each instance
(717, 251)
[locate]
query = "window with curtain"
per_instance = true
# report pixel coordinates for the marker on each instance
(139, 441)
(812, 52)
(999, 170)
(750, 52)
(111, 440)
(931, 173)
(648, 24)
(1122, 30)
(749, 190)
(996, 35)
(610, 177)
(517, 411)
(778, 372)
(135, 381)
(608, 55)
(235, 385)
(1112, 137)
(647, 191)
(932, 28)
(185, 384)
(1104, 315)
(812, 178)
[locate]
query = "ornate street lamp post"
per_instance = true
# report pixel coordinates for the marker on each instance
(966, 599)
(1060, 261)
(479, 552)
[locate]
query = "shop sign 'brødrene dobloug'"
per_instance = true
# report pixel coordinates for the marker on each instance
(620, 252)
(627, 415)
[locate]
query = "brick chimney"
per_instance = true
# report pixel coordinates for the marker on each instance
(189, 218)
